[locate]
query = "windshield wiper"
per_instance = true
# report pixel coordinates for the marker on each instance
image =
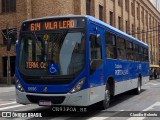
(58, 39)
(37, 42)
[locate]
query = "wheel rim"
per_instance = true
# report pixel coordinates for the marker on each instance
(139, 86)
(107, 98)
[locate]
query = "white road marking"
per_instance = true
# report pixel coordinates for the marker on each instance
(147, 109)
(7, 91)
(14, 106)
(152, 84)
(150, 107)
(8, 103)
(98, 118)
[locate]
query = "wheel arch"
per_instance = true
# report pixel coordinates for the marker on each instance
(111, 83)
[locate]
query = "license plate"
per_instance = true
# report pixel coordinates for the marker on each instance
(45, 103)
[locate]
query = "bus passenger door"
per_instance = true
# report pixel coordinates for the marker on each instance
(96, 68)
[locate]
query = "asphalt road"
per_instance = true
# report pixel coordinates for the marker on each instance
(126, 106)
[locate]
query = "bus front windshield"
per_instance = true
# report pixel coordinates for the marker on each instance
(58, 52)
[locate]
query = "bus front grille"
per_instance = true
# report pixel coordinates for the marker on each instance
(53, 99)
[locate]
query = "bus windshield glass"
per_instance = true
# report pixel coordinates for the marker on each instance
(54, 52)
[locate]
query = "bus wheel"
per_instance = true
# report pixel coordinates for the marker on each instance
(138, 89)
(105, 103)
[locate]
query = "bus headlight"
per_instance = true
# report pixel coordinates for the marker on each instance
(18, 85)
(78, 86)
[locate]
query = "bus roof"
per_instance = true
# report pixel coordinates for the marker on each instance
(117, 31)
(101, 23)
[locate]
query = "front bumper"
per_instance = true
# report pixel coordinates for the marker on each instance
(80, 98)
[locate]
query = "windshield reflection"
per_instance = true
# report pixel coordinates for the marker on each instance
(52, 53)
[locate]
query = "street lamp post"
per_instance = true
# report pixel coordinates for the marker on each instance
(8, 69)
(8, 59)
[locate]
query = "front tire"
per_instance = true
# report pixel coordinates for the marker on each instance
(105, 103)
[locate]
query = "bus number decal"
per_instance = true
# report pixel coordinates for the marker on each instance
(35, 26)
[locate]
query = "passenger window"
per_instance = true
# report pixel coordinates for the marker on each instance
(110, 45)
(95, 45)
(135, 52)
(145, 55)
(121, 51)
(129, 50)
(141, 54)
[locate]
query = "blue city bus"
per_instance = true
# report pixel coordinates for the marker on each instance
(77, 60)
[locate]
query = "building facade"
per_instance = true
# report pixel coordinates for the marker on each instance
(138, 18)
(156, 4)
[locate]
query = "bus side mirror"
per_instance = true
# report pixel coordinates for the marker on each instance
(96, 63)
(99, 42)
(93, 38)
(95, 41)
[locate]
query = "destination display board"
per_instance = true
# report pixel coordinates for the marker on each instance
(53, 24)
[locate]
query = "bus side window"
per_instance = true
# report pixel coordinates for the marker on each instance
(129, 50)
(135, 52)
(121, 50)
(146, 55)
(110, 45)
(95, 45)
(141, 54)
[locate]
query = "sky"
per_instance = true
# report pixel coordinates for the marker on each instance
(156, 3)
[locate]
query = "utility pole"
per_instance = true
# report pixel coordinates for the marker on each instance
(8, 60)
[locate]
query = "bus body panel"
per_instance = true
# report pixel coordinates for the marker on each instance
(80, 98)
(51, 89)
(126, 73)
(83, 98)
(97, 79)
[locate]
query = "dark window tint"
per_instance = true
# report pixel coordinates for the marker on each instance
(88, 5)
(135, 52)
(141, 54)
(101, 12)
(119, 22)
(8, 6)
(110, 45)
(146, 55)
(121, 52)
(129, 50)
(111, 18)
(95, 44)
